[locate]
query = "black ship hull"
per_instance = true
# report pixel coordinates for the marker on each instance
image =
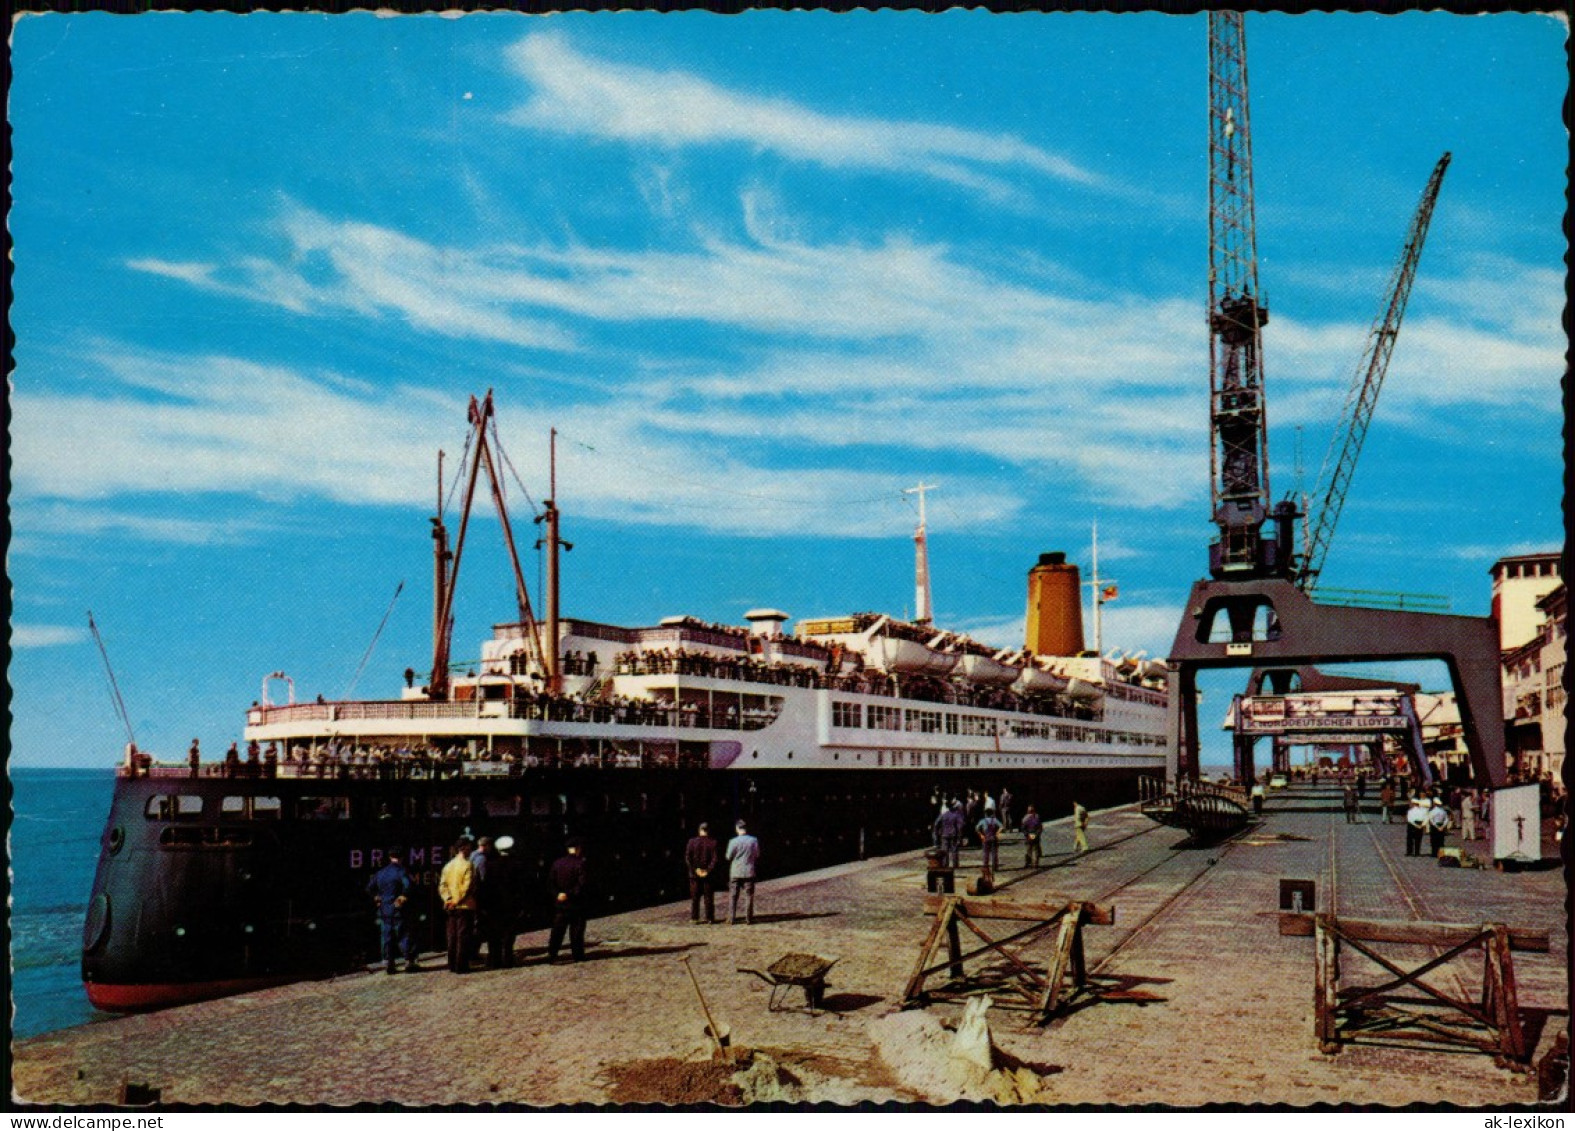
(212, 885)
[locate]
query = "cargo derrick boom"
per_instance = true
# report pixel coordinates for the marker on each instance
(1345, 445)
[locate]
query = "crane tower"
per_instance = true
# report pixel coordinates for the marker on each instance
(1251, 611)
(1238, 451)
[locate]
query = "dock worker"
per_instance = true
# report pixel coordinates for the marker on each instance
(1415, 824)
(700, 858)
(1079, 827)
(1437, 824)
(950, 827)
(1386, 800)
(494, 919)
(989, 830)
(568, 878)
(1033, 827)
(456, 886)
(1468, 815)
(390, 890)
(1348, 799)
(743, 858)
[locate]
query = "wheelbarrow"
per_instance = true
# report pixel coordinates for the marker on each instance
(807, 970)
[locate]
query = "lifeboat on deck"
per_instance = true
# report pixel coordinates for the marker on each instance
(1037, 681)
(1082, 691)
(908, 657)
(987, 671)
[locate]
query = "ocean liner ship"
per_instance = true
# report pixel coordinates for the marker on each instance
(837, 742)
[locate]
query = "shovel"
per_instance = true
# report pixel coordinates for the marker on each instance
(722, 1038)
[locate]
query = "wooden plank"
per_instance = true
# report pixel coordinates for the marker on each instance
(983, 908)
(1058, 966)
(916, 983)
(954, 943)
(1512, 1038)
(1324, 989)
(1299, 924)
(999, 947)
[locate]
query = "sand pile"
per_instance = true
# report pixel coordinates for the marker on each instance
(945, 1065)
(750, 1077)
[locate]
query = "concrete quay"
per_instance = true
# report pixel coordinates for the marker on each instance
(1218, 1007)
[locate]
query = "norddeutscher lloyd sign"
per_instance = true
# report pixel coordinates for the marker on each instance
(1327, 723)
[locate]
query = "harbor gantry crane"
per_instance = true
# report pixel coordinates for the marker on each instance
(1254, 609)
(1239, 453)
(1345, 445)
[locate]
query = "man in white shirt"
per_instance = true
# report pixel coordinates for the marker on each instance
(1415, 824)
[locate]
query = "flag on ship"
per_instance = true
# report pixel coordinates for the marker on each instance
(1109, 593)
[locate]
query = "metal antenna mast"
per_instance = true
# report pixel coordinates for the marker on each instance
(1238, 449)
(1345, 445)
(923, 613)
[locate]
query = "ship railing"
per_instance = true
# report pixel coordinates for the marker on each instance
(373, 709)
(554, 710)
(415, 767)
(644, 714)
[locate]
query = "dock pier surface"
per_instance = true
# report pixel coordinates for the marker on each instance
(1207, 1002)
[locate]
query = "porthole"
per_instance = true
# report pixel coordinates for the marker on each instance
(117, 839)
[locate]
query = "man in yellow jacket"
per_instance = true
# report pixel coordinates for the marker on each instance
(458, 891)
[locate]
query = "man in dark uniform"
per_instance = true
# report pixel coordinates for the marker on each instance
(1033, 829)
(700, 856)
(390, 887)
(494, 919)
(951, 827)
(567, 878)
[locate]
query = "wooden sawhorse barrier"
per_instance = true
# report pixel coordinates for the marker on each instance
(1490, 1023)
(1039, 993)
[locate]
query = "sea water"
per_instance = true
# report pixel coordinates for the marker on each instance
(57, 822)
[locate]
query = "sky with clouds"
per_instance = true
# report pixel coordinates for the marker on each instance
(761, 272)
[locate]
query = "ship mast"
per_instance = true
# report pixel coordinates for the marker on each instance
(549, 516)
(447, 575)
(923, 613)
(441, 556)
(1099, 588)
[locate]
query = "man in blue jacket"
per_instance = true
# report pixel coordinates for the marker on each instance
(390, 888)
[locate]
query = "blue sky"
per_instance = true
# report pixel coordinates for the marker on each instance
(762, 272)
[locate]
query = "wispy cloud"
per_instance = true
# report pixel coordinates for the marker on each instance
(60, 520)
(171, 425)
(175, 424)
(573, 93)
(46, 635)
